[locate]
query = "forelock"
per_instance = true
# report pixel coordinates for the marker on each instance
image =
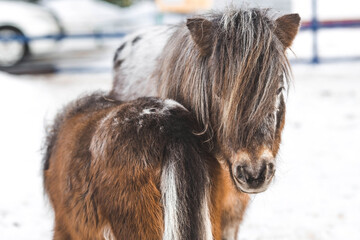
(249, 62)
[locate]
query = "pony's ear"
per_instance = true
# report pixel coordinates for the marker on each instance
(201, 31)
(287, 27)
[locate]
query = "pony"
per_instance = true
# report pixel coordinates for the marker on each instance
(130, 170)
(230, 70)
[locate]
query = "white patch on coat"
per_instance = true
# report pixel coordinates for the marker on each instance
(284, 85)
(168, 104)
(140, 125)
(171, 104)
(170, 202)
(99, 139)
(147, 111)
(171, 207)
(107, 233)
(133, 78)
(205, 214)
(115, 122)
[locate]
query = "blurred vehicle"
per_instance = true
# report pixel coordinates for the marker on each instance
(78, 24)
(21, 21)
(97, 16)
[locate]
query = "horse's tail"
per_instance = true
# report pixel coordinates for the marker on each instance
(185, 192)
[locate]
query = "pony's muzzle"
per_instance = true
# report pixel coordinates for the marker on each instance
(253, 179)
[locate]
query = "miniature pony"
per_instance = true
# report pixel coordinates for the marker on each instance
(230, 70)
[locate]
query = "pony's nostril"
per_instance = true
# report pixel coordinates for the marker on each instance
(270, 170)
(262, 172)
(254, 177)
(240, 174)
(270, 166)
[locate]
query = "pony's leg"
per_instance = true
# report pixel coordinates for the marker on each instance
(233, 209)
(232, 217)
(133, 207)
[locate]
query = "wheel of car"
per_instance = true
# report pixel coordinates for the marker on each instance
(13, 48)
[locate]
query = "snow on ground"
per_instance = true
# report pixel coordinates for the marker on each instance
(316, 193)
(26, 104)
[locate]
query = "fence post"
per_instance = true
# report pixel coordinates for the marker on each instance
(314, 28)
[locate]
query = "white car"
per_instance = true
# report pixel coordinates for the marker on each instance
(98, 16)
(20, 21)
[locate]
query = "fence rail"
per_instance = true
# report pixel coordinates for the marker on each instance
(314, 25)
(329, 24)
(59, 37)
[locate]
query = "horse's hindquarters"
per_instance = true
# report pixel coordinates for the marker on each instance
(131, 170)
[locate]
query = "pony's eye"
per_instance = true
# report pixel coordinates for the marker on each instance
(279, 90)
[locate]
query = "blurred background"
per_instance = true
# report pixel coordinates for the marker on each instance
(53, 50)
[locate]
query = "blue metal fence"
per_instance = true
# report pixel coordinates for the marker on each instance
(315, 25)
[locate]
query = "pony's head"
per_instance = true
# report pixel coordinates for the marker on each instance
(234, 80)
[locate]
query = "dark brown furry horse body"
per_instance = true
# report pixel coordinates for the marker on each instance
(230, 70)
(131, 170)
(155, 168)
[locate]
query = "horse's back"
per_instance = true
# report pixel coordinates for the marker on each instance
(135, 61)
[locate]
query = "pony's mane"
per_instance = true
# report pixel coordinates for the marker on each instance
(233, 88)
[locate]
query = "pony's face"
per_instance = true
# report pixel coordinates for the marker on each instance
(253, 167)
(247, 65)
